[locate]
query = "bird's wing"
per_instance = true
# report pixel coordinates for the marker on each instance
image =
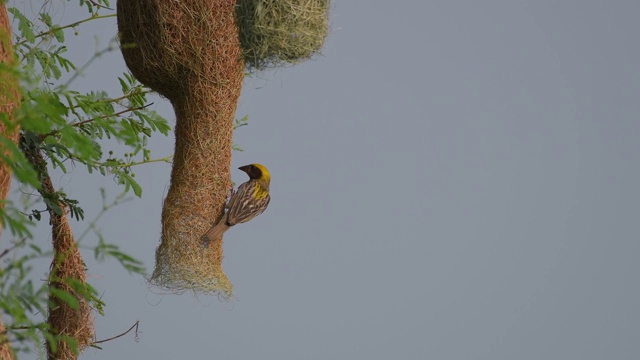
(244, 207)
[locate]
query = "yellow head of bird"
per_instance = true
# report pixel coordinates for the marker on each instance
(258, 172)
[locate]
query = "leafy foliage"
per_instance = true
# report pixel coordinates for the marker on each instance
(72, 130)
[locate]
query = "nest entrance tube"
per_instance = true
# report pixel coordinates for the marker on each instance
(189, 52)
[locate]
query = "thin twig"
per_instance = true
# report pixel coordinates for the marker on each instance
(123, 97)
(53, 30)
(23, 327)
(80, 123)
(8, 250)
(99, 5)
(166, 159)
(121, 335)
(111, 47)
(83, 122)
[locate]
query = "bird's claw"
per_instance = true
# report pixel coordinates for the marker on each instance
(230, 192)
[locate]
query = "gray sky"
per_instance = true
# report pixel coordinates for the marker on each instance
(450, 180)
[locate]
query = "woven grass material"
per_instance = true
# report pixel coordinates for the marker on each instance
(71, 319)
(278, 32)
(64, 319)
(188, 51)
(6, 353)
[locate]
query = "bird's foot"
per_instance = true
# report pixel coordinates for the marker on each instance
(230, 192)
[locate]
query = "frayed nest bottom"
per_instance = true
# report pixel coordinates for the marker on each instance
(182, 266)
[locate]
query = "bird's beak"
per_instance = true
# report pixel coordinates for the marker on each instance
(244, 168)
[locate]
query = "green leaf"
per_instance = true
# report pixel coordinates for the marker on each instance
(46, 19)
(52, 341)
(59, 35)
(128, 181)
(24, 25)
(123, 85)
(15, 221)
(65, 296)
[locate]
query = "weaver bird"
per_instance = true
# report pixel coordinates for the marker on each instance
(249, 201)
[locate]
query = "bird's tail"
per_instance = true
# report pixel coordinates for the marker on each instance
(215, 232)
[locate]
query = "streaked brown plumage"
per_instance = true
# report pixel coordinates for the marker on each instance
(249, 201)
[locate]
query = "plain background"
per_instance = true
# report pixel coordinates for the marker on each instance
(450, 180)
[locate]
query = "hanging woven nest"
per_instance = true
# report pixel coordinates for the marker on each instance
(188, 51)
(278, 32)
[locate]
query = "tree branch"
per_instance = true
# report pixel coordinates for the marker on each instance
(8, 250)
(53, 30)
(121, 335)
(83, 122)
(80, 123)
